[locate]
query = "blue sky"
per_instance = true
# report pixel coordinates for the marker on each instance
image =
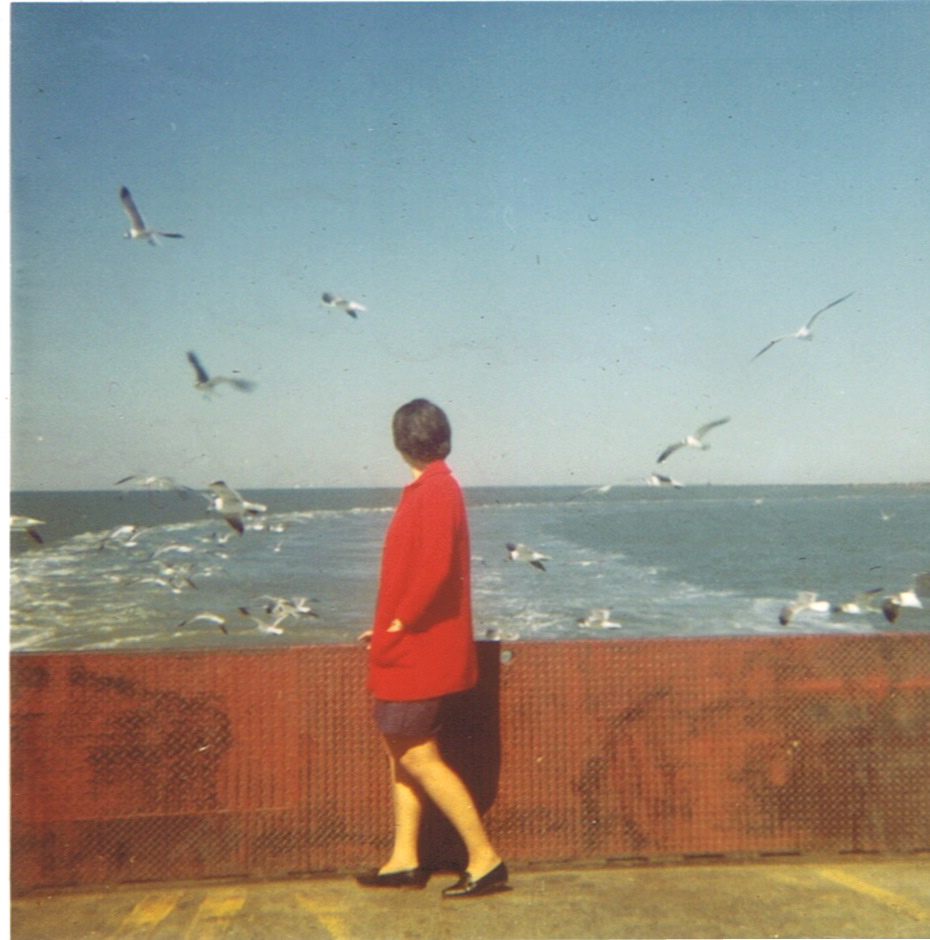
(572, 224)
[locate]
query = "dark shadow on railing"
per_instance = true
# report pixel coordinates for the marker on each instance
(470, 741)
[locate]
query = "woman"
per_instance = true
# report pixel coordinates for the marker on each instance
(422, 650)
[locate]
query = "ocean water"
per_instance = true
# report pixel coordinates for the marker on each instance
(689, 562)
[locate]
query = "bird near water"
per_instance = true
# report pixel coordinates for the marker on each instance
(231, 505)
(520, 552)
(28, 525)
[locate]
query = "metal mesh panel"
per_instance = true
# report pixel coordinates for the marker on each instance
(199, 764)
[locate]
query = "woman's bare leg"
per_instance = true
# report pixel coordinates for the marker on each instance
(408, 812)
(423, 764)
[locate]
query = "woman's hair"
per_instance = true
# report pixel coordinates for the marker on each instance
(422, 431)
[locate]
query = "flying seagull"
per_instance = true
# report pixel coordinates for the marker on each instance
(599, 618)
(27, 525)
(891, 605)
(351, 307)
(231, 505)
(206, 384)
(265, 626)
(154, 483)
(137, 226)
(126, 536)
(282, 607)
(860, 604)
(519, 552)
(659, 479)
(803, 332)
(207, 616)
(806, 600)
(692, 440)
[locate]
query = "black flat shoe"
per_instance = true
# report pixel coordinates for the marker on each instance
(409, 878)
(466, 887)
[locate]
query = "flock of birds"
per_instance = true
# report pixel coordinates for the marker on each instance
(871, 601)
(229, 504)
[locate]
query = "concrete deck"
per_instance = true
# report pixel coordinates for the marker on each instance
(845, 897)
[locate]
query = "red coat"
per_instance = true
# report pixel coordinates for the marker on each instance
(426, 584)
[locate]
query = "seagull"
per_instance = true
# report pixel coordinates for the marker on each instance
(263, 625)
(603, 489)
(599, 618)
(206, 384)
(125, 535)
(174, 583)
(27, 525)
(891, 605)
(519, 552)
(177, 576)
(231, 505)
(860, 604)
(351, 307)
(692, 440)
(208, 617)
(137, 227)
(659, 479)
(154, 483)
(806, 600)
(282, 607)
(803, 332)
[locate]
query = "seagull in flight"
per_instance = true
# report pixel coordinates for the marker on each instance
(231, 505)
(803, 332)
(265, 626)
(599, 618)
(137, 227)
(860, 604)
(206, 384)
(695, 440)
(154, 483)
(806, 600)
(28, 525)
(126, 536)
(891, 605)
(283, 607)
(660, 479)
(351, 307)
(519, 552)
(207, 616)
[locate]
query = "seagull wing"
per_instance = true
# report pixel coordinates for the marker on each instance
(244, 385)
(828, 306)
(768, 346)
(224, 492)
(236, 522)
(135, 219)
(704, 428)
(198, 368)
(669, 451)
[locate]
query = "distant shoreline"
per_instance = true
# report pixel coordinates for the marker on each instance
(916, 484)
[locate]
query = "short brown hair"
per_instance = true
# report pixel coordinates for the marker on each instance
(422, 431)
